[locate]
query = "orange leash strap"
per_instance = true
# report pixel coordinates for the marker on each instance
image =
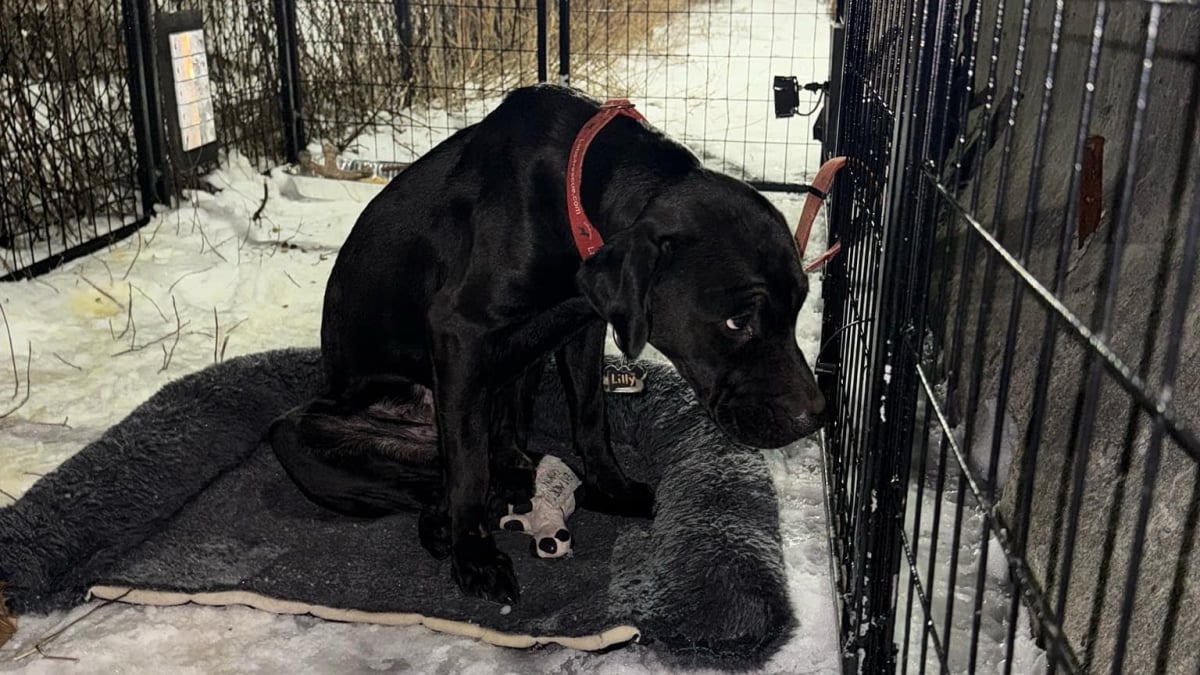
(818, 190)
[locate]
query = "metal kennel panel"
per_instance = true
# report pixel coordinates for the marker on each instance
(1012, 468)
(69, 92)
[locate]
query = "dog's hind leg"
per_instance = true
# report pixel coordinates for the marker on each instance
(369, 453)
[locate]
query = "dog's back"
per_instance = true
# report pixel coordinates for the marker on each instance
(425, 229)
(388, 267)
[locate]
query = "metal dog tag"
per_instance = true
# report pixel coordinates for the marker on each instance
(624, 379)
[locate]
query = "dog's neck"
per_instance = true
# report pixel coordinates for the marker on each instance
(626, 167)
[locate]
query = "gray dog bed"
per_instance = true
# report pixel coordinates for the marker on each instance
(182, 501)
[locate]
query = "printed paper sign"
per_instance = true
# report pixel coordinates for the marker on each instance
(193, 92)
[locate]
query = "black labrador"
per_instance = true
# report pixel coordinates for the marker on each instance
(462, 275)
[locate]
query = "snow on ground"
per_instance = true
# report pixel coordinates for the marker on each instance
(939, 515)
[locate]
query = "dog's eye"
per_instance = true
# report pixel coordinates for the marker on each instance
(737, 322)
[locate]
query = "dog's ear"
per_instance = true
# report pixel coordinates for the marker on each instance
(617, 279)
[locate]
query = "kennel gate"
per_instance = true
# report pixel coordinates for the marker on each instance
(1020, 221)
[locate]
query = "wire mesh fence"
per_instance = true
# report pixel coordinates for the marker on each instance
(1009, 334)
(90, 139)
(715, 95)
(387, 80)
(67, 147)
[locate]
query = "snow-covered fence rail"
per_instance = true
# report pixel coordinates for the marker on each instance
(1011, 337)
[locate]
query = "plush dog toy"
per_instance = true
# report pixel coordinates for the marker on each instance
(544, 518)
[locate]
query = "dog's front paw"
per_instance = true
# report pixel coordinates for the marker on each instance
(619, 498)
(483, 571)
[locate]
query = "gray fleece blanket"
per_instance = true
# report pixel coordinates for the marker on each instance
(183, 499)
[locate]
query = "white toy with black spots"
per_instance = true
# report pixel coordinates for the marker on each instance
(545, 517)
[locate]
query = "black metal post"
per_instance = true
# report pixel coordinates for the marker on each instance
(403, 11)
(403, 22)
(144, 104)
(564, 42)
(542, 47)
(290, 105)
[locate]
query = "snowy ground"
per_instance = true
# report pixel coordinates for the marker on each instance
(996, 588)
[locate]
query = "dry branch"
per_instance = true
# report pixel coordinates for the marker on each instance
(12, 352)
(173, 334)
(107, 269)
(178, 329)
(28, 384)
(55, 355)
(103, 292)
(186, 275)
(258, 213)
(135, 256)
(129, 320)
(50, 637)
(152, 302)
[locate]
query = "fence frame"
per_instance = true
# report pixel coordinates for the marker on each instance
(875, 368)
(152, 153)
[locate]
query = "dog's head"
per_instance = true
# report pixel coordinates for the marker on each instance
(710, 276)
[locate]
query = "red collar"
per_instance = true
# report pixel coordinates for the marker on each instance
(587, 237)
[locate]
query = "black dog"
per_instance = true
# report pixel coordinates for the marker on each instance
(462, 275)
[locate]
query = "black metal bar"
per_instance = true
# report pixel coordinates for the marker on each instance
(1029, 459)
(542, 37)
(90, 246)
(1006, 369)
(899, 80)
(923, 598)
(986, 298)
(290, 105)
(1187, 548)
(1026, 582)
(1171, 358)
(564, 42)
(402, 9)
(144, 104)
(776, 186)
(404, 26)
